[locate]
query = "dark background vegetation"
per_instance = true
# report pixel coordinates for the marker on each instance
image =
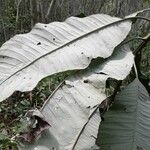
(19, 16)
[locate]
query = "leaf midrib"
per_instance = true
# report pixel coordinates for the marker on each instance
(82, 129)
(136, 114)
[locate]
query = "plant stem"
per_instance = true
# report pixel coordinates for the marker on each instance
(146, 39)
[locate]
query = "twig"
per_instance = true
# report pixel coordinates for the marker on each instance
(146, 39)
(31, 13)
(132, 39)
(41, 11)
(135, 69)
(4, 31)
(17, 15)
(49, 9)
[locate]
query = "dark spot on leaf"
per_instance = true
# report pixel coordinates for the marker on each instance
(139, 148)
(102, 73)
(53, 39)
(125, 109)
(95, 106)
(39, 43)
(82, 53)
(3, 57)
(86, 81)
(45, 26)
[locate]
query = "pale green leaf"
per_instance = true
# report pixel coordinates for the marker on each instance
(126, 125)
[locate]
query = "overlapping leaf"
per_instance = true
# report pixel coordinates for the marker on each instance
(127, 124)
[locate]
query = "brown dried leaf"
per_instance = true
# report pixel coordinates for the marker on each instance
(36, 126)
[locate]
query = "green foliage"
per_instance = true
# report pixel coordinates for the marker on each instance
(127, 121)
(6, 144)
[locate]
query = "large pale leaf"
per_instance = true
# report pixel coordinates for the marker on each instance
(59, 46)
(127, 124)
(71, 110)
